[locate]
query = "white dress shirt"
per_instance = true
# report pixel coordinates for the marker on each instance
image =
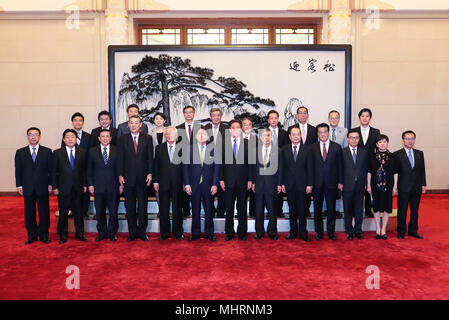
(36, 148)
(68, 152)
(107, 150)
(327, 143)
(187, 129)
(413, 154)
(137, 137)
(365, 133)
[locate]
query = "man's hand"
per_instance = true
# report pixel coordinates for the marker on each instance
(368, 189)
(20, 191)
(395, 191)
(50, 188)
(91, 190)
(149, 177)
(279, 189)
(55, 191)
(250, 184)
(340, 187)
(84, 189)
(423, 189)
(254, 187)
(121, 180)
(156, 187)
(213, 190)
(222, 185)
(120, 189)
(309, 189)
(188, 190)
(283, 189)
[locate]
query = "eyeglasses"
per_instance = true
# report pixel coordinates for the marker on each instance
(354, 138)
(33, 134)
(302, 112)
(409, 139)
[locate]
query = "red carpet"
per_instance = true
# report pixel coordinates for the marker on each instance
(265, 269)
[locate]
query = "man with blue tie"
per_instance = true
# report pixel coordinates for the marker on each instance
(33, 181)
(201, 173)
(69, 184)
(411, 184)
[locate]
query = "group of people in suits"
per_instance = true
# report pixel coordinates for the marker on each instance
(191, 164)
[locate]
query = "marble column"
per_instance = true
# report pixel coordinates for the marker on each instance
(339, 22)
(116, 21)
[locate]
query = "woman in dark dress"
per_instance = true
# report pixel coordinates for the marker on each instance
(158, 135)
(382, 184)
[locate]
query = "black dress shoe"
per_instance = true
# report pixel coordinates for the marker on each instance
(29, 241)
(332, 237)
(400, 236)
(113, 238)
(290, 237)
(306, 238)
(144, 237)
(242, 238)
(62, 240)
(319, 237)
(257, 237)
(130, 238)
(324, 213)
(384, 237)
(163, 238)
(377, 236)
(81, 237)
(338, 215)
(281, 215)
(369, 214)
(211, 238)
(228, 238)
(359, 236)
(181, 237)
(416, 235)
(193, 238)
(308, 214)
(350, 237)
(273, 237)
(220, 215)
(45, 240)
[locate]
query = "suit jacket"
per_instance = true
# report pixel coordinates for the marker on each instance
(153, 135)
(341, 136)
(123, 129)
(354, 174)
(63, 176)
(96, 133)
(182, 132)
(282, 138)
(329, 173)
(33, 177)
(193, 171)
(371, 141)
(410, 179)
(222, 130)
(267, 178)
(311, 137)
(297, 174)
(135, 167)
(236, 173)
(168, 175)
(103, 177)
(84, 143)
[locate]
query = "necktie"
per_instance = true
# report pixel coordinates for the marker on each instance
(170, 153)
(295, 153)
(303, 134)
(353, 155)
(324, 151)
(72, 159)
(275, 137)
(235, 148)
(105, 156)
(333, 134)
(78, 138)
(190, 132)
(135, 144)
(364, 136)
(215, 134)
(202, 161)
(265, 159)
(33, 155)
(410, 157)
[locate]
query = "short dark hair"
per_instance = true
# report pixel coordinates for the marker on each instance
(353, 131)
(302, 107)
(322, 125)
(159, 114)
(247, 118)
(67, 131)
(382, 137)
(133, 105)
(365, 110)
(187, 107)
(272, 111)
(34, 128)
(332, 111)
(134, 117)
(104, 130)
(104, 113)
(77, 114)
(408, 131)
(294, 127)
(235, 121)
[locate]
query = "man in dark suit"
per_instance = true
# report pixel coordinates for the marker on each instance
(251, 136)
(368, 138)
(265, 184)
(135, 170)
(186, 132)
(328, 178)
(168, 182)
(33, 182)
(216, 131)
(411, 184)
(236, 179)
(105, 120)
(280, 139)
(308, 137)
(201, 173)
(102, 179)
(355, 170)
(69, 184)
(123, 128)
(296, 179)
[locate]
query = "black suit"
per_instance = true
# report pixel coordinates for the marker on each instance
(354, 183)
(327, 175)
(70, 183)
(282, 140)
(236, 173)
(220, 210)
(312, 136)
(266, 180)
(104, 178)
(34, 178)
(296, 176)
(134, 168)
(201, 178)
(369, 146)
(253, 141)
(169, 177)
(410, 183)
(96, 133)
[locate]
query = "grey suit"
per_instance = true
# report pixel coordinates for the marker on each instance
(340, 136)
